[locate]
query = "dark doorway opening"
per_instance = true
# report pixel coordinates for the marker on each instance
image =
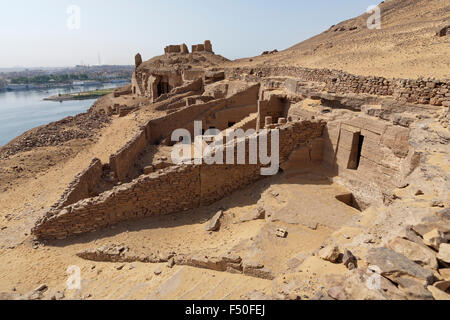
(356, 151)
(360, 146)
(163, 88)
(230, 124)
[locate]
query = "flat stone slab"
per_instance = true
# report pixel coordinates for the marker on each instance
(214, 223)
(398, 268)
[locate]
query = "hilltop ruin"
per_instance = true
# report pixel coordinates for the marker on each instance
(361, 190)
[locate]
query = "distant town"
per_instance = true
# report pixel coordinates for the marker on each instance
(80, 75)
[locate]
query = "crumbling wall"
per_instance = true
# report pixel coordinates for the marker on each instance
(180, 48)
(420, 91)
(122, 160)
(83, 186)
(207, 46)
(219, 181)
(171, 190)
(159, 129)
(273, 107)
(175, 189)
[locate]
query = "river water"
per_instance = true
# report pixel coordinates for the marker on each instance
(23, 110)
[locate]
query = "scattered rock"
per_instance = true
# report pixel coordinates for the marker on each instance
(158, 271)
(281, 233)
(337, 293)
(4, 296)
(58, 295)
(445, 273)
(257, 270)
(415, 252)
(444, 253)
(214, 223)
(258, 214)
(330, 253)
(349, 260)
(443, 285)
(434, 239)
(258, 296)
(444, 32)
(107, 253)
(36, 294)
(41, 288)
(396, 267)
(411, 235)
(171, 263)
(321, 295)
(438, 294)
(120, 267)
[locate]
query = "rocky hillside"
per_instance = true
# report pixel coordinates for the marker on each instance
(407, 45)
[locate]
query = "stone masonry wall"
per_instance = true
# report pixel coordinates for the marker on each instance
(82, 186)
(171, 190)
(420, 91)
(121, 161)
(158, 129)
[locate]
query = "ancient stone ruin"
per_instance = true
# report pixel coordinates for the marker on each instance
(352, 139)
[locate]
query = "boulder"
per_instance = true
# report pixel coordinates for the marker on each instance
(444, 32)
(258, 214)
(445, 273)
(337, 293)
(214, 223)
(443, 285)
(444, 253)
(439, 294)
(411, 235)
(281, 233)
(415, 252)
(171, 263)
(434, 239)
(157, 271)
(349, 260)
(437, 223)
(398, 268)
(330, 253)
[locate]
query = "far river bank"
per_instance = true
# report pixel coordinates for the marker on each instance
(21, 111)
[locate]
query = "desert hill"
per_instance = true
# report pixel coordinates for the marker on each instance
(407, 45)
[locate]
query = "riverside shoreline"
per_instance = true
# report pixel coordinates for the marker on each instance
(86, 95)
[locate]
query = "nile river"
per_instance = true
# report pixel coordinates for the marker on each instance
(23, 110)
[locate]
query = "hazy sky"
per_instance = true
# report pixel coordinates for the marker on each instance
(35, 32)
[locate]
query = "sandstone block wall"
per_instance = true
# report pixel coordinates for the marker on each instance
(175, 189)
(384, 154)
(218, 181)
(121, 161)
(171, 190)
(83, 186)
(420, 91)
(158, 129)
(207, 46)
(273, 107)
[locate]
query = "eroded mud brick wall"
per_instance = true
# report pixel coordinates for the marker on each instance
(421, 91)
